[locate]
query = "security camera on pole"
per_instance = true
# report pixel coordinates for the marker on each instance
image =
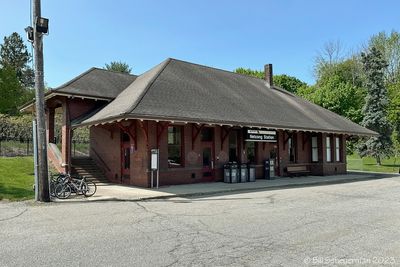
(40, 27)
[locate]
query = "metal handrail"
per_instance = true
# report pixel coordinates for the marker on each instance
(101, 160)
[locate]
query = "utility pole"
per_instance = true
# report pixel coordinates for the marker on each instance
(44, 195)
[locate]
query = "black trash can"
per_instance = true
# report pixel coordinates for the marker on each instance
(252, 173)
(267, 170)
(234, 173)
(227, 173)
(243, 173)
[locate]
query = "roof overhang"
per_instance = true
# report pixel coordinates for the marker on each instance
(214, 123)
(30, 106)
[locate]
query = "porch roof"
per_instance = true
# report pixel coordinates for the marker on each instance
(95, 83)
(181, 91)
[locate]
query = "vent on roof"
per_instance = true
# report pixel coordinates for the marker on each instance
(268, 75)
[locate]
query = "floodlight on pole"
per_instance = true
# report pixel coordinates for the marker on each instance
(42, 25)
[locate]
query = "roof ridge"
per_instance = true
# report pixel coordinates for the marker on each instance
(74, 79)
(208, 67)
(146, 89)
(114, 71)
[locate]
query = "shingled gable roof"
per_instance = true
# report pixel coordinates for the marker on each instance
(97, 82)
(181, 91)
(94, 83)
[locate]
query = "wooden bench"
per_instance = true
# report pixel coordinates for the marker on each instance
(297, 170)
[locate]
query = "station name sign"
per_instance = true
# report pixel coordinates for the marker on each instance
(260, 135)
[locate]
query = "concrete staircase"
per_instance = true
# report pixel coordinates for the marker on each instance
(85, 166)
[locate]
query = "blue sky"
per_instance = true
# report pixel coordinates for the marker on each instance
(224, 34)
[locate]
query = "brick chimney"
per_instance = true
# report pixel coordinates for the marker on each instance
(268, 75)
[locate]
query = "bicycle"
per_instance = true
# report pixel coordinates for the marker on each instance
(64, 188)
(55, 180)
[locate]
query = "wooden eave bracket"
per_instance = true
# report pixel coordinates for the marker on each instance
(285, 140)
(129, 131)
(306, 138)
(195, 132)
(160, 130)
(145, 128)
(224, 134)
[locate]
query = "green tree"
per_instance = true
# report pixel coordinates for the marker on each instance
(255, 73)
(338, 88)
(118, 66)
(375, 108)
(10, 91)
(14, 54)
(389, 46)
(289, 83)
(394, 109)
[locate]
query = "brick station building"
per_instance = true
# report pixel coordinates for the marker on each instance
(199, 118)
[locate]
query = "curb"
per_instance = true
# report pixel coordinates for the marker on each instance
(232, 190)
(271, 187)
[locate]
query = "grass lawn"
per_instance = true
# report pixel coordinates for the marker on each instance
(354, 162)
(16, 178)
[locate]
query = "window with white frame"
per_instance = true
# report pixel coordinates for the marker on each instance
(328, 149)
(314, 149)
(337, 148)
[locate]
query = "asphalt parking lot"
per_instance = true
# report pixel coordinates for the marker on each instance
(354, 224)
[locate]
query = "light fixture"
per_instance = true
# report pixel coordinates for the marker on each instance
(42, 25)
(29, 33)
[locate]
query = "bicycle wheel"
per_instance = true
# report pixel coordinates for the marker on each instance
(89, 188)
(62, 191)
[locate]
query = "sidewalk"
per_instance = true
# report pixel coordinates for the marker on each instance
(119, 192)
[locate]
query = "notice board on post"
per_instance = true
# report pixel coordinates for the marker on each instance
(154, 159)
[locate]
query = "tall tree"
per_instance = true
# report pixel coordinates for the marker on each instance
(375, 108)
(328, 56)
(289, 83)
(10, 91)
(14, 54)
(339, 88)
(118, 66)
(389, 46)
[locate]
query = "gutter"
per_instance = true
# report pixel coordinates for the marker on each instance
(211, 123)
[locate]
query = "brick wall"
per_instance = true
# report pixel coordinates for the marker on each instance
(105, 150)
(106, 142)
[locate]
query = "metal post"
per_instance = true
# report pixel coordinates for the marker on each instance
(158, 167)
(35, 159)
(44, 194)
(151, 181)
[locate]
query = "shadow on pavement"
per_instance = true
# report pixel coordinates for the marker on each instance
(166, 193)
